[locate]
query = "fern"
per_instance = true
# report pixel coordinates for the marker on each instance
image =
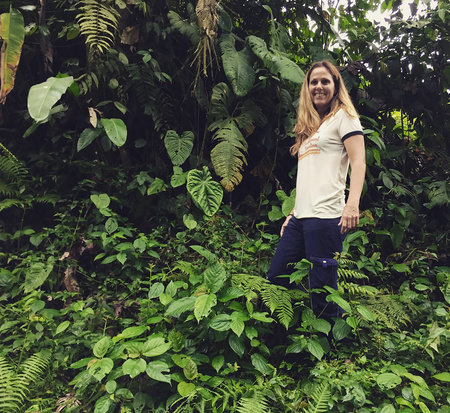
(390, 310)
(321, 397)
(257, 403)
(99, 23)
(277, 298)
(12, 174)
(14, 387)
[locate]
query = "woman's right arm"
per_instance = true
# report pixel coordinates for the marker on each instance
(286, 221)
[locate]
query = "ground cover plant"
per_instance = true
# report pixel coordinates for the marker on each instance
(144, 173)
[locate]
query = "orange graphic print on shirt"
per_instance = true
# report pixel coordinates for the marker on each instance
(309, 147)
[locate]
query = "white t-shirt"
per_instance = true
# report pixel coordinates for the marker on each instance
(322, 168)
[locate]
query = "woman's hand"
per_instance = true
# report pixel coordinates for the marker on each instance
(286, 221)
(350, 218)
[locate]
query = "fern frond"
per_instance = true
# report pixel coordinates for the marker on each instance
(34, 367)
(276, 297)
(321, 397)
(257, 403)
(346, 274)
(99, 22)
(356, 289)
(390, 310)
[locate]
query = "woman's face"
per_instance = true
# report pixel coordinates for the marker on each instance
(321, 89)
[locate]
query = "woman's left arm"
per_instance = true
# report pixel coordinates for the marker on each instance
(357, 156)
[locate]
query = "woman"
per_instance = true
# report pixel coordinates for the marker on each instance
(328, 137)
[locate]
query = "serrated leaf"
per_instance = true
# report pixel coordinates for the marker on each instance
(155, 290)
(178, 307)
(116, 130)
(214, 277)
(221, 322)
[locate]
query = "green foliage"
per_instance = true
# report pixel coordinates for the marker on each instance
(99, 22)
(16, 384)
(42, 97)
(321, 397)
(205, 192)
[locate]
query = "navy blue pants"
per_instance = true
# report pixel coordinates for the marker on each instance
(317, 240)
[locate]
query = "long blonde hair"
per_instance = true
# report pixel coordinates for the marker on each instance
(308, 119)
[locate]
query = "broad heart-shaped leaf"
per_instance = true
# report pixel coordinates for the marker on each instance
(12, 32)
(179, 147)
(36, 274)
(134, 367)
(155, 370)
(116, 130)
(237, 65)
(214, 277)
(185, 388)
(100, 368)
(203, 305)
(205, 192)
(42, 97)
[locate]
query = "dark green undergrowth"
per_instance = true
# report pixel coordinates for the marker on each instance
(183, 320)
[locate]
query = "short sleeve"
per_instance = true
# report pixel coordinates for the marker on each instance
(349, 126)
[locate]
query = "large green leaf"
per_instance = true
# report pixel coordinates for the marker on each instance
(134, 367)
(178, 307)
(116, 130)
(237, 65)
(155, 370)
(214, 277)
(203, 305)
(205, 192)
(36, 274)
(276, 62)
(42, 97)
(179, 147)
(12, 32)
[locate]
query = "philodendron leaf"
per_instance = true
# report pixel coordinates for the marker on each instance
(116, 130)
(36, 274)
(42, 97)
(179, 147)
(205, 192)
(237, 65)
(12, 32)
